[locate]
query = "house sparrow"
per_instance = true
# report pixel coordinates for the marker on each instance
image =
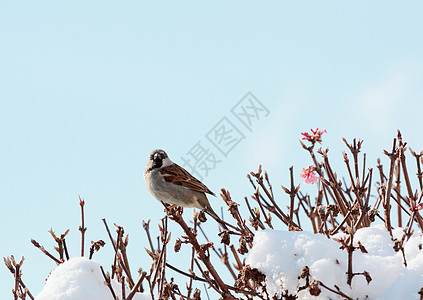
(173, 185)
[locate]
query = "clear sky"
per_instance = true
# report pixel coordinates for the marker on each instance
(88, 89)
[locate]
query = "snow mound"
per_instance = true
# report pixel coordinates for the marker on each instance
(281, 255)
(80, 279)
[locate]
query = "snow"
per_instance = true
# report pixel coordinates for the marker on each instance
(81, 279)
(281, 255)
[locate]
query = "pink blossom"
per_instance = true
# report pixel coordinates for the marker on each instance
(316, 135)
(309, 176)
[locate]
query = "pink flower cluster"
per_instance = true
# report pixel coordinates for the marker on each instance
(315, 136)
(309, 176)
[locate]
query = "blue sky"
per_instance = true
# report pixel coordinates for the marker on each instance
(87, 90)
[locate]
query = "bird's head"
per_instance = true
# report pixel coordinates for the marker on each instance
(157, 157)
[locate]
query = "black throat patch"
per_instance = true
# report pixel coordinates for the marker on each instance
(157, 163)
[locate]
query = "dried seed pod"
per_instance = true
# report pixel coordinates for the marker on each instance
(248, 274)
(225, 237)
(368, 277)
(202, 217)
(177, 246)
(355, 211)
(97, 245)
(305, 272)
(321, 210)
(334, 209)
(242, 246)
(372, 215)
(254, 223)
(314, 288)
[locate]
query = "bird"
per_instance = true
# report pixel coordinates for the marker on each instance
(171, 184)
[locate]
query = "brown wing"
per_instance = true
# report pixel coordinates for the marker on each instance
(179, 176)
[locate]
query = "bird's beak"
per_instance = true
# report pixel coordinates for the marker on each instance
(156, 157)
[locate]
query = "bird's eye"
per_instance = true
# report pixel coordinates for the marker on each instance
(157, 156)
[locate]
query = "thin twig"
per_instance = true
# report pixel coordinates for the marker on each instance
(82, 228)
(136, 287)
(175, 214)
(36, 244)
(107, 282)
(387, 197)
